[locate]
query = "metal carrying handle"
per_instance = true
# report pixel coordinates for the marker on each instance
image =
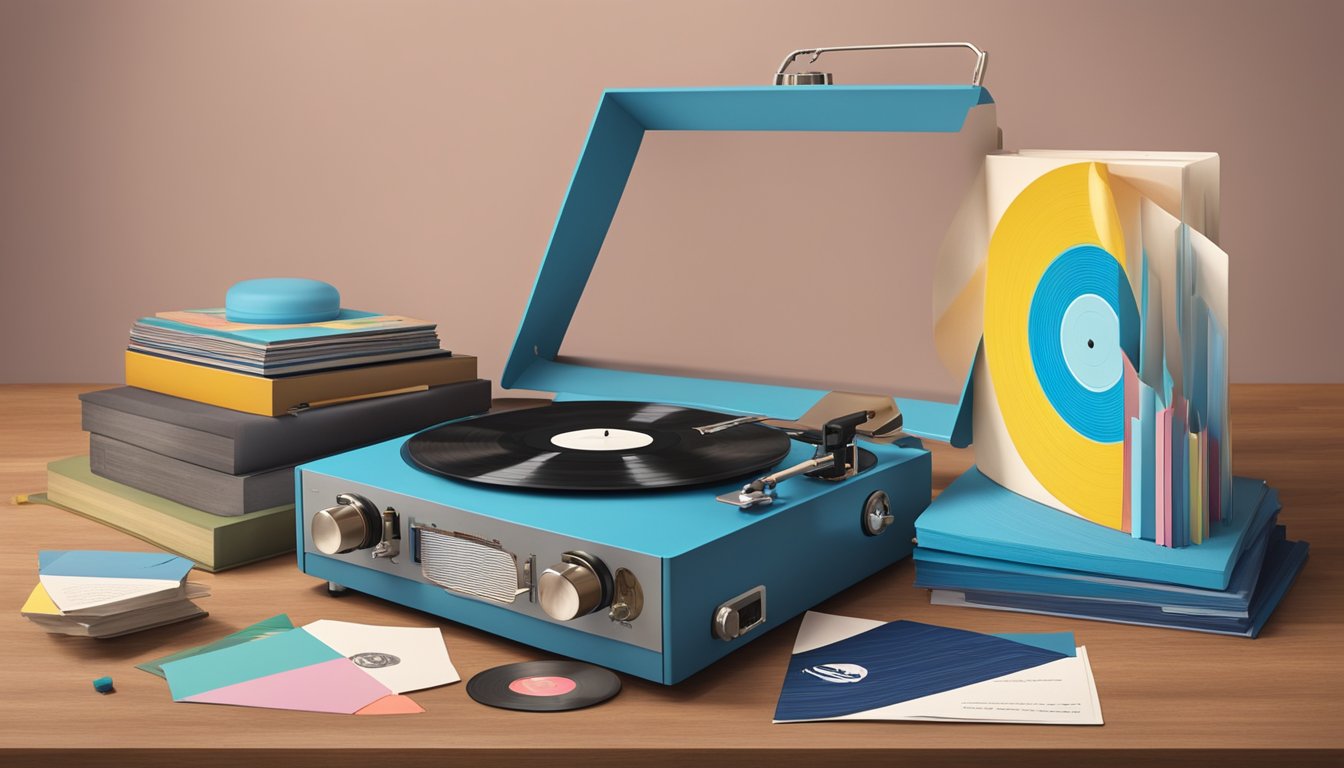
(977, 76)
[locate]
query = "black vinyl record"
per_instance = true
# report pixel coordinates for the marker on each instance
(544, 686)
(596, 446)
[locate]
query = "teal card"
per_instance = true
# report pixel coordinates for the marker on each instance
(1059, 642)
(248, 661)
(262, 629)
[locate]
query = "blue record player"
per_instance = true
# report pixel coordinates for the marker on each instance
(661, 571)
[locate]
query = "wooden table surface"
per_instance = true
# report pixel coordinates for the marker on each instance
(1167, 696)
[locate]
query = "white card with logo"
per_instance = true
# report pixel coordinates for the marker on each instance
(401, 658)
(857, 669)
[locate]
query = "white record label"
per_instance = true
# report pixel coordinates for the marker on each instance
(601, 440)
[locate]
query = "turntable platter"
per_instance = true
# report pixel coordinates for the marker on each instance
(596, 446)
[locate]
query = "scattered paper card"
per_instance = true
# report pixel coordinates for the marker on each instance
(336, 686)
(326, 666)
(265, 628)
(292, 670)
(856, 669)
(396, 704)
(39, 603)
(402, 658)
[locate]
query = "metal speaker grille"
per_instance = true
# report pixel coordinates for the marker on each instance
(463, 563)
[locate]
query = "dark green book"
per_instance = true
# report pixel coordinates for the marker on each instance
(214, 542)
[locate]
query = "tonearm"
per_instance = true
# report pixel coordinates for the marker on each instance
(837, 458)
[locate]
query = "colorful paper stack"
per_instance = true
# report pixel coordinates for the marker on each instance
(106, 594)
(197, 454)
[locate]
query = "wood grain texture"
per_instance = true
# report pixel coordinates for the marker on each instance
(1168, 697)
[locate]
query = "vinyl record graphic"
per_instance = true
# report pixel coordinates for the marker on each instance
(596, 446)
(544, 686)
(1060, 319)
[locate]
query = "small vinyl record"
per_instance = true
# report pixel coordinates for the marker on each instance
(596, 446)
(544, 686)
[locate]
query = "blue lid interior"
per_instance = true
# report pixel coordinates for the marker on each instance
(595, 192)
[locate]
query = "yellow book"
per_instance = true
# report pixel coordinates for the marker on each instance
(283, 394)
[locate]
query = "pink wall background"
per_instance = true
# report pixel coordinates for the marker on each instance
(415, 153)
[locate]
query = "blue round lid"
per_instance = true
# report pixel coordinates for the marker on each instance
(282, 301)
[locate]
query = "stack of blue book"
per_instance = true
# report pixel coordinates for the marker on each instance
(980, 545)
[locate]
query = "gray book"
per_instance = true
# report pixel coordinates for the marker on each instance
(240, 443)
(218, 493)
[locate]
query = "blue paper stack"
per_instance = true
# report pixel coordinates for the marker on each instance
(981, 545)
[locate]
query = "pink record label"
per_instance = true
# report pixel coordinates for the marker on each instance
(542, 686)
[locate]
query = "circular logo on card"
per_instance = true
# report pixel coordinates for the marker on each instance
(837, 673)
(375, 660)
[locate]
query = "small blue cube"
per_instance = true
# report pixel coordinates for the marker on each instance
(103, 685)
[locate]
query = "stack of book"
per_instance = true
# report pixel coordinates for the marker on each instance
(106, 594)
(982, 546)
(197, 453)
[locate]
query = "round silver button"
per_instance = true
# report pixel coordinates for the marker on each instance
(568, 591)
(727, 623)
(340, 529)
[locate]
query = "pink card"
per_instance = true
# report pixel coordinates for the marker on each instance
(1131, 412)
(330, 686)
(1162, 456)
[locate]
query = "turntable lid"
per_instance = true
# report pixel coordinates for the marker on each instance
(595, 192)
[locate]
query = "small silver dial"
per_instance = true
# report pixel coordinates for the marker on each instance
(877, 515)
(627, 598)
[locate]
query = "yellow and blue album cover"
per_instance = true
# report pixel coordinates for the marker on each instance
(1088, 292)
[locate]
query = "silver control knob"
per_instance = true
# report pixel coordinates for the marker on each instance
(575, 587)
(726, 623)
(877, 515)
(352, 524)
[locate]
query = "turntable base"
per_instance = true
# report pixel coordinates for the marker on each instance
(709, 577)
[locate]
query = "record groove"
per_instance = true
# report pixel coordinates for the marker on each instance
(625, 446)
